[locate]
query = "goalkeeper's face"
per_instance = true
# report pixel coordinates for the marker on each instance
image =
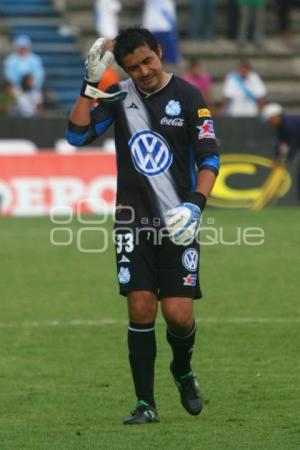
(145, 68)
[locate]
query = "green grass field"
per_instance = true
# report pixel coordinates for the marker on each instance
(64, 375)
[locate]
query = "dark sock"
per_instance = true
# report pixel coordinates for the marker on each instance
(142, 353)
(182, 348)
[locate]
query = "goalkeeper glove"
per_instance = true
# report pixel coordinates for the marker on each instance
(183, 221)
(96, 64)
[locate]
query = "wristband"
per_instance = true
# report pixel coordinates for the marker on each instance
(198, 199)
(84, 85)
(90, 90)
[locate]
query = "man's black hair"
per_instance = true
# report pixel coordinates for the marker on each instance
(132, 38)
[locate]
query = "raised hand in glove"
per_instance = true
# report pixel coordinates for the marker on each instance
(183, 222)
(96, 63)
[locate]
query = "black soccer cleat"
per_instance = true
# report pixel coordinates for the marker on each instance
(190, 395)
(143, 413)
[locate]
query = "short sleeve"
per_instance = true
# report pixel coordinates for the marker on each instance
(201, 128)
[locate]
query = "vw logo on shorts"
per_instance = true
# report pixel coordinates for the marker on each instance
(150, 153)
(190, 259)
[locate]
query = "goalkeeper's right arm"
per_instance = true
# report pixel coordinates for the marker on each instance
(80, 113)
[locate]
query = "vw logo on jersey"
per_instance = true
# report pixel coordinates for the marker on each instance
(173, 108)
(150, 153)
(190, 259)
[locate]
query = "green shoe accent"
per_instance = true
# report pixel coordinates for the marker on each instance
(142, 403)
(190, 395)
(150, 414)
(143, 414)
(188, 375)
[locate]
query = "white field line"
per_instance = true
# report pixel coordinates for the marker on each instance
(105, 322)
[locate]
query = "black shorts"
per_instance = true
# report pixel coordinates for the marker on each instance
(145, 261)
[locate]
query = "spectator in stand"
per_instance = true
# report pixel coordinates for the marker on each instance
(23, 62)
(232, 13)
(244, 92)
(196, 76)
(107, 17)
(160, 18)
(251, 13)
(7, 100)
(284, 20)
(287, 130)
(110, 77)
(202, 19)
(29, 100)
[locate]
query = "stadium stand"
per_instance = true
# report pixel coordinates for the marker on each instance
(278, 64)
(63, 30)
(52, 40)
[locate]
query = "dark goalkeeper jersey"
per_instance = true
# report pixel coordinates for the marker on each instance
(162, 140)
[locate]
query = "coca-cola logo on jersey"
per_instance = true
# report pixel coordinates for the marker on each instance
(177, 122)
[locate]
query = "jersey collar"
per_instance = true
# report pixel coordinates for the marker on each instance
(148, 95)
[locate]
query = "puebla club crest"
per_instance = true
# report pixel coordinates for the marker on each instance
(124, 275)
(173, 108)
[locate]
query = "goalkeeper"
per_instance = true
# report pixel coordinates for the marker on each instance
(167, 162)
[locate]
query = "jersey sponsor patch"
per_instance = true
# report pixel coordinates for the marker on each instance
(190, 259)
(206, 130)
(203, 112)
(124, 275)
(190, 280)
(173, 108)
(176, 122)
(150, 153)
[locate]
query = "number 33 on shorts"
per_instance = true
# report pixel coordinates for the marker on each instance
(124, 242)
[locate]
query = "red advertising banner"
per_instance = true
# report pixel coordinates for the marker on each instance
(48, 183)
